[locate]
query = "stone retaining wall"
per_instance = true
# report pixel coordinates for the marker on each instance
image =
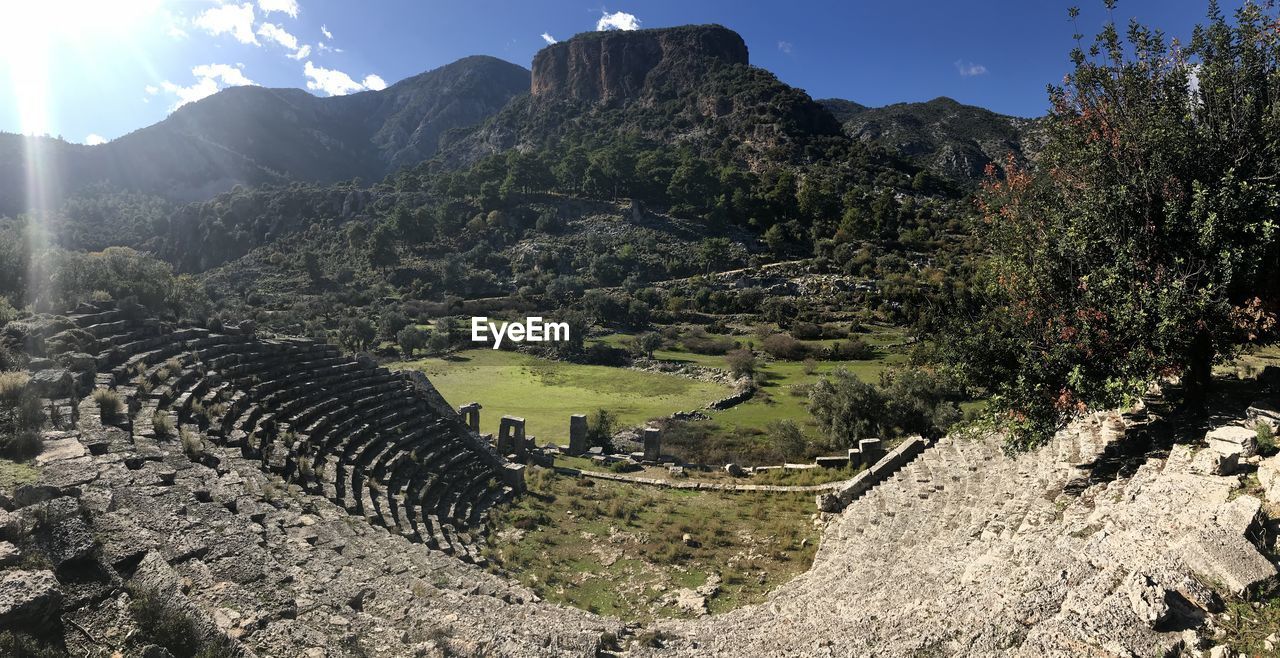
(860, 483)
(707, 486)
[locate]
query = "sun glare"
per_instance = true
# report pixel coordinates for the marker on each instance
(34, 33)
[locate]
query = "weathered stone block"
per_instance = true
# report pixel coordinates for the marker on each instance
(1230, 439)
(577, 434)
(652, 444)
(1227, 558)
(52, 383)
(1266, 412)
(1269, 477)
(28, 599)
(871, 450)
(1211, 461)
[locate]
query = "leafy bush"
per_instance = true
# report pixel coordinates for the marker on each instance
(1266, 438)
(789, 439)
(698, 341)
(909, 401)
(806, 331)
(742, 363)
(785, 347)
(854, 349)
(600, 429)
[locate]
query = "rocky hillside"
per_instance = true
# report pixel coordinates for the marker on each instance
(690, 85)
(255, 135)
(952, 140)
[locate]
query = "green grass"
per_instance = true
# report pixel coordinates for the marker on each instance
(786, 377)
(545, 393)
(618, 549)
(14, 473)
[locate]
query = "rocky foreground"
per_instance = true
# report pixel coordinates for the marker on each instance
(1085, 547)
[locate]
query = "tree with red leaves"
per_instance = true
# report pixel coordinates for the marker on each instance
(1143, 242)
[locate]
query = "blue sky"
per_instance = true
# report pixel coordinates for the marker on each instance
(102, 68)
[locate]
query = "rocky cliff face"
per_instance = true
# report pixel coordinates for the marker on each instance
(610, 66)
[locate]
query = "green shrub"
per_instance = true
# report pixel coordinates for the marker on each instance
(784, 346)
(1266, 438)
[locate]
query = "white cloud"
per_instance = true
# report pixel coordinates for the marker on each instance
(785, 47)
(236, 20)
(277, 34)
(618, 20)
(289, 7)
(325, 31)
(209, 79)
(152, 90)
(548, 38)
(337, 83)
(94, 139)
(273, 32)
(969, 69)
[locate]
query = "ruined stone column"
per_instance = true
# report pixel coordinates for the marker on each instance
(855, 458)
(577, 434)
(513, 476)
(511, 436)
(652, 444)
(471, 414)
(872, 450)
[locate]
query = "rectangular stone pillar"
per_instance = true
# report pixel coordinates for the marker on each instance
(652, 444)
(855, 457)
(577, 434)
(511, 436)
(872, 450)
(471, 415)
(513, 476)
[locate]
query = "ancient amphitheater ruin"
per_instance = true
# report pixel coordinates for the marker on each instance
(292, 501)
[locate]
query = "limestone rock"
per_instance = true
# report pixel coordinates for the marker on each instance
(1269, 477)
(1238, 514)
(1227, 558)
(52, 383)
(1264, 411)
(608, 66)
(28, 599)
(1146, 599)
(1211, 461)
(1230, 439)
(9, 554)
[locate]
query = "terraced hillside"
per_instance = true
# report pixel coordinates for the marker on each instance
(372, 441)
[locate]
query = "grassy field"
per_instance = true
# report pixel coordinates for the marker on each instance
(620, 550)
(784, 395)
(545, 393)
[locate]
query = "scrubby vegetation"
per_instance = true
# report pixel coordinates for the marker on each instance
(21, 417)
(623, 551)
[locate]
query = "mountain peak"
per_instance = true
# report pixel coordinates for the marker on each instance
(617, 65)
